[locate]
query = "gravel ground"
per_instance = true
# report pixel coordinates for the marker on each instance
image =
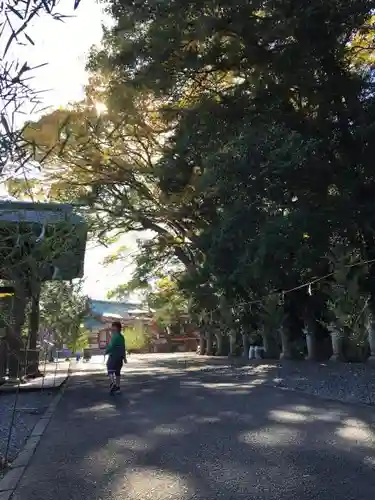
(29, 408)
(346, 382)
(349, 383)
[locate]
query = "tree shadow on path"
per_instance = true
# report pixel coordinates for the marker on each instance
(180, 434)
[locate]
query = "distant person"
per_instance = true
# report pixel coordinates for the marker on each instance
(116, 357)
(78, 356)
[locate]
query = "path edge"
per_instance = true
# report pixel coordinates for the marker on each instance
(17, 468)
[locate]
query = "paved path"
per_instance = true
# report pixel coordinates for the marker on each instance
(179, 433)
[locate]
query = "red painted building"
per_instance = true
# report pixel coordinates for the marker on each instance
(103, 313)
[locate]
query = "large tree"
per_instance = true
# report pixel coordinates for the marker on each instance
(263, 119)
(282, 67)
(274, 138)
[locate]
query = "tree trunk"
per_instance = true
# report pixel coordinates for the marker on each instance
(245, 345)
(15, 357)
(209, 343)
(15, 332)
(337, 344)
(34, 320)
(311, 347)
(219, 343)
(232, 343)
(19, 311)
(286, 347)
(251, 353)
(202, 343)
(311, 343)
(32, 355)
(271, 348)
(6, 324)
(3, 358)
(371, 336)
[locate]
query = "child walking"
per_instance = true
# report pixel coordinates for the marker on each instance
(116, 357)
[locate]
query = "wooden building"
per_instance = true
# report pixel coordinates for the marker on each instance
(104, 312)
(132, 315)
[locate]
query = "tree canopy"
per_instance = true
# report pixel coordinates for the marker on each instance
(239, 134)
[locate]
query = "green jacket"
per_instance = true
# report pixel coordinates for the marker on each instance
(116, 346)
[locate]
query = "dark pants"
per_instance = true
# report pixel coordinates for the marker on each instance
(114, 365)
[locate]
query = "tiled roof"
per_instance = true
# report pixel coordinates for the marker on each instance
(93, 324)
(115, 309)
(101, 309)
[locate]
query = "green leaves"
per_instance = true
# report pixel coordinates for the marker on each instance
(168, 303)
(136, 338)
(63, 307)
(235, 136)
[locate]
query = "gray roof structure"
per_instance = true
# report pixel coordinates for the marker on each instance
(38, 220)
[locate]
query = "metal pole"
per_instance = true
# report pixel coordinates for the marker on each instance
(57, 360)
(44, 368)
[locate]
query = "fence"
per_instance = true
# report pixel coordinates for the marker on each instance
(19, 409)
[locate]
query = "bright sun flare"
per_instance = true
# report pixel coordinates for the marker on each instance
(100, 108)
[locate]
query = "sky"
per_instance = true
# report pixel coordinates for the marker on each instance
(64, 46)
